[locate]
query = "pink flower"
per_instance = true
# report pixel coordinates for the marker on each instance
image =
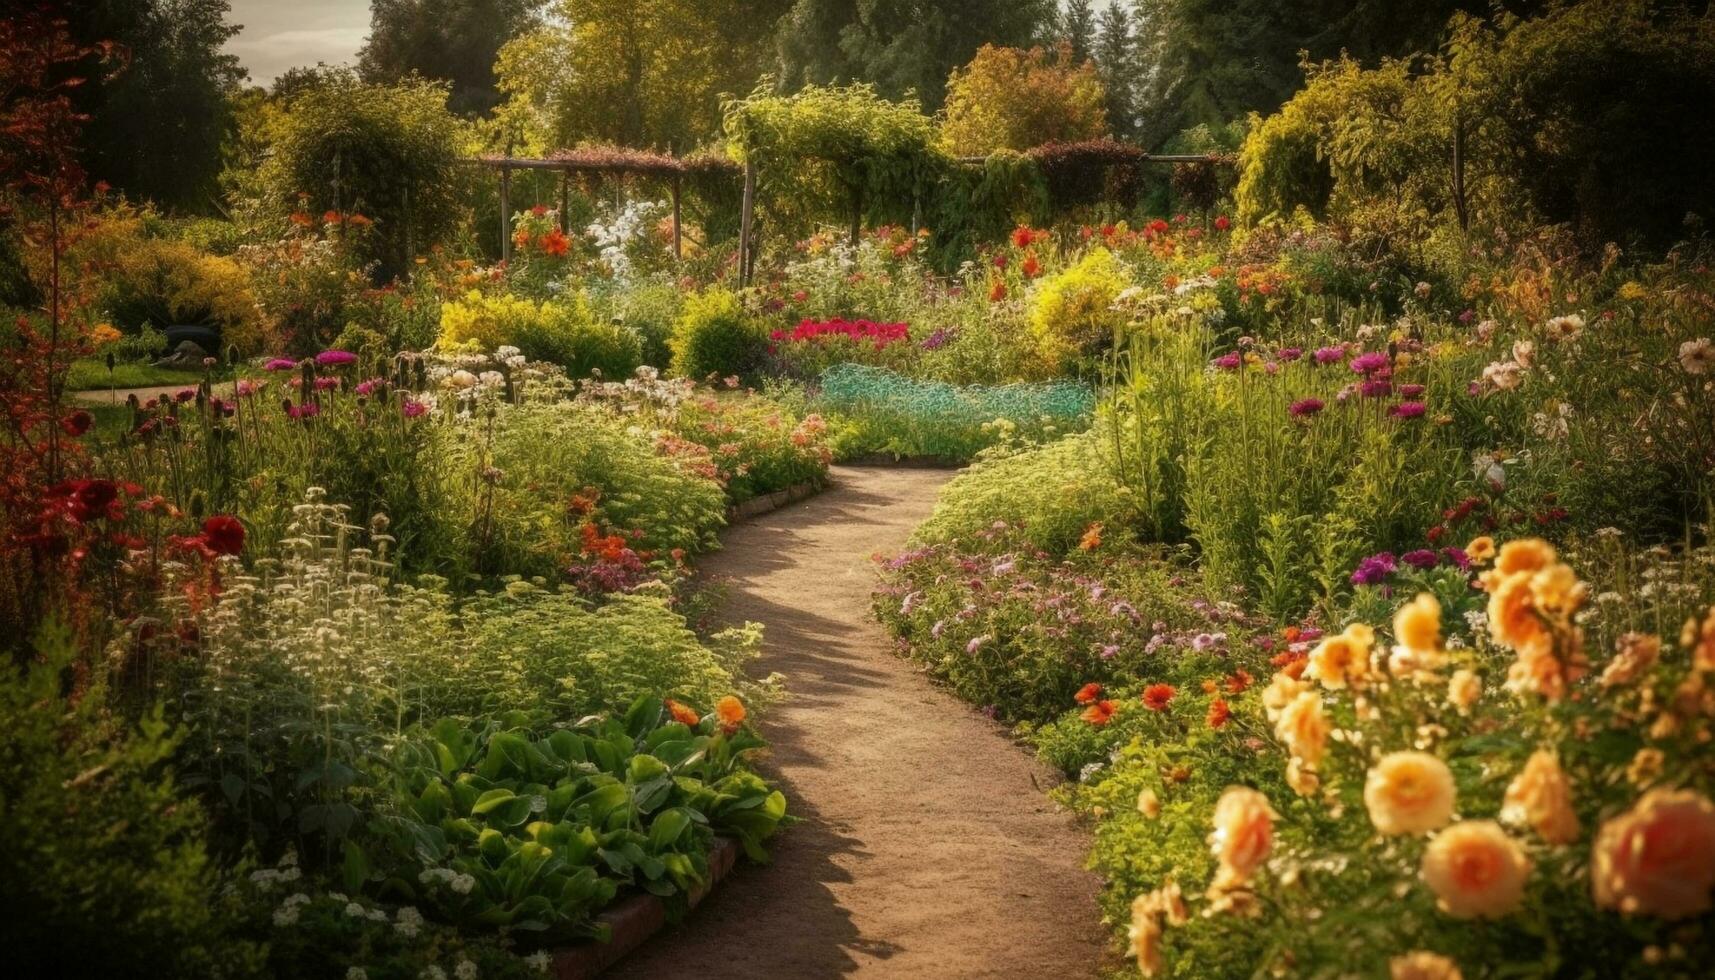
(1369, 363)
(1305, 407)
(1407, 410)
(413, 408)
(331, 358)
(280, 364)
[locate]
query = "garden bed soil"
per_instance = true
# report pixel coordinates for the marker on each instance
(769, 502)
(924, 845)
(634, 920)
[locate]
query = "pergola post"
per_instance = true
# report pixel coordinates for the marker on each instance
(506, 209)
(744, 223)
(565, 202)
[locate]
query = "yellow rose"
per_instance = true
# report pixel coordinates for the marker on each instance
(1634, 654)
(1303, 728)
(1244, 832)
(1409, 793)
(1540, 797)
(1463, 690)
(1513, 619)
(1475, 870)
(1417, 628)
(1524, 555)
(1148, 803)
(1481, 549)
(1342, 659)
(1423, 965)
(1658, 858)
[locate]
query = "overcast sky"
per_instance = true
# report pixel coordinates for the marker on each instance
(281, 34)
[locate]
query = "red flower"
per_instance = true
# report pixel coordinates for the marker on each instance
(86, 500)
(1088, 693)
(1099, 714)
(556, 243)
(77, 423)
(998, 293)
(1000, 260)
(1239, 681)
(223, 535)
(1022, 236)
(1157, 696)
(1223, 223)
(1219, 713)
(1031, 268)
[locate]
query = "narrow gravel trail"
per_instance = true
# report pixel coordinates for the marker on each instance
(925, 846)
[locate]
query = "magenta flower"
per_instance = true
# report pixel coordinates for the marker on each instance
(1375, 569)
(1376, 389)
(1458, 557)
(1369, 363)
(280, 364)
(1421, 558)
(413, 408)
(332, 358)
(1411, 391)
(1407, 410)
(1329, 355)
(245, 388)
(1289, 354)
(368, 388)
(1305, 407)
(1229, 362)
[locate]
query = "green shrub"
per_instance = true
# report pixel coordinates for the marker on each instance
(1072, 313)
(651, 310)
(104, 863)
(716, 337)
(562, 332)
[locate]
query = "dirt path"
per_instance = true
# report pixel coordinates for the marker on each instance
(926, 848)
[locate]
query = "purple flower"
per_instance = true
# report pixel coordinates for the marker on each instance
(1410, 391)
(1229, 362)
(1289, 354)
(1369, 363)
(1375, 569)
(330, 358)
(1110, 650)
(1421, 558)
(975, 644)
(280, 364)
(1329, 355)
(936, 340)
(1305, 406)
(1407, 410)
(1458, 557)
(413, 408)
(1376, 389)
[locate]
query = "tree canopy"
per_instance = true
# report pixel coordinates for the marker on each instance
(456, 41)
(1012, 99)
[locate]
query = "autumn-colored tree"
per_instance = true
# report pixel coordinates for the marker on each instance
(1012, 99)
(639, 73)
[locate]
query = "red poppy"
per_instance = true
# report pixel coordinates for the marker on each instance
(223, 535)
(1223, 223)
(77, 423)
(1088, 693)
(1100, 713)
(1022, 236)
(1157, 696)
(86, 500)
(1031, 268)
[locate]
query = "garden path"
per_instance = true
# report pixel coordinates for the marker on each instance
(926, 846)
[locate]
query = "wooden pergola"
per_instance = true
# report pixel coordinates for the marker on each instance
(615, 161)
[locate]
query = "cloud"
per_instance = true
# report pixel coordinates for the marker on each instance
(280, 35)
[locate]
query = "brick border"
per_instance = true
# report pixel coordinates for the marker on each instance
(634, 920)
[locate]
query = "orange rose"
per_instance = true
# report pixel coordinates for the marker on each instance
(730, 711)
(1463, 690)
(1342, 659)
(1475, 870)
(1303, 727)
(1417, 630)
(1513, 618)
(1525, 555)
(1634, 653)
(1409, 793)
(1540, 797)
(1700, 639)
(1658, 858)
(1244, 832)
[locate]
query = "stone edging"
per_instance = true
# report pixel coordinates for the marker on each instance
(634, 920)
(905, 462)
(763, 503)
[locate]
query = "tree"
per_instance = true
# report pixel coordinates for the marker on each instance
(1011, 99)
(1078, 29)
(640, 73)
(456, 41)
(1116, 60)
(901, 46)
(155, 129)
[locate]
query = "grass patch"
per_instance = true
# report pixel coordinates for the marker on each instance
(91, 374)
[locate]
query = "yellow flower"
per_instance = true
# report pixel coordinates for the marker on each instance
(1148, 803)
(1282, 689)
(1464, 689)
(1417, 628)
(1513, 619)
(1342, 659)
(1302, 778)
(1480, 550)
(1634, 654)
(1243, 835)
(1303, 728)
(1423, 965)
(1145, 936)
(1409, 793)
(1524, 555)
(1658, 858)
(1475, 870)
(1540, 797)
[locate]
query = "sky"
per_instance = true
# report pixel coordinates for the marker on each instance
(281, 34)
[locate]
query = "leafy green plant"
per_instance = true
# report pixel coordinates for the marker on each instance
(716, 337)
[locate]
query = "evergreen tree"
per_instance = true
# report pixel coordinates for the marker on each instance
(1116, 60)
(1078, 28)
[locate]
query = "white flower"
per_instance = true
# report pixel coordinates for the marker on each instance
(356, 973)
(1504, 375)
(1697, 356)
(1565, 328)
(466, 970)
(539, 960)
(462, 884)
(286, 915)
(433, 972)
(355, 910)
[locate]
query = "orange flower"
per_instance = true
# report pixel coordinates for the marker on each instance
(1092, 538)
(1030, 267)
(1022, 236)
(1157, 696)
(555, 243)
(998, 291)
(730, 711)
(682, 713)
(1700, 637)
(1480, 550)
(1239, 681)
(1409, 793)
(1475, 870)
(1088, 693)
(1100, 713)
(1540, 797)
(1219, 713)
(1343, 659)
(1658, 858)
(359, 221)
(1244, 833)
